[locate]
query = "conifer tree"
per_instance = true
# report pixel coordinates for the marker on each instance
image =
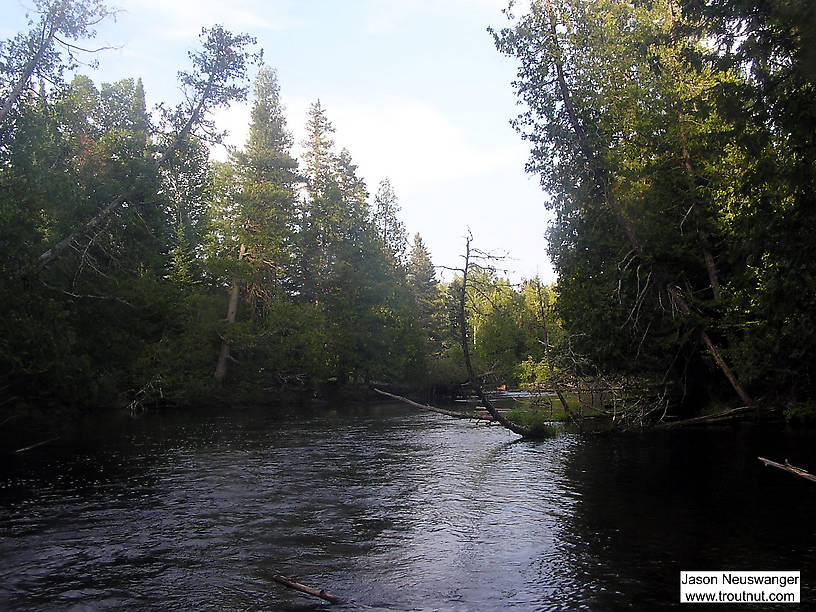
(263, 218)
(389, 228)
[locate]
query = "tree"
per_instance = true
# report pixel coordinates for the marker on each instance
(766, 197)
(39, 51)
(265, 205)
(609, 117)
(389, 228)
(63, 325)
(318, 157)
(216, 79)
(421, 278)
(472, 265)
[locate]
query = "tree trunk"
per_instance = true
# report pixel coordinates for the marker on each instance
(29, 70)
(232, 311)
(451, 413)
(712, 348)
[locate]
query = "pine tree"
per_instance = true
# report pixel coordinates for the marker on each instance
(389, 228)
(264, 214)
(319, 155)
(421, 278)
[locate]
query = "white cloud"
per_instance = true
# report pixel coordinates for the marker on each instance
(410, 142)
(414, 144)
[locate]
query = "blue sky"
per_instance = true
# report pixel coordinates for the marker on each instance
(415, 89)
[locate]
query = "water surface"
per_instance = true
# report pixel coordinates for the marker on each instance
(395, 508)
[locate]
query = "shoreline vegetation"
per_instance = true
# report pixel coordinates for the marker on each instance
(678, 162)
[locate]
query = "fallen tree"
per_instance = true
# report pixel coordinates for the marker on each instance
(451, 413)
(787, 467)
(473, 380)
(719, 417)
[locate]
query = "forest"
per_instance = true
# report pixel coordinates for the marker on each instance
(675, 141)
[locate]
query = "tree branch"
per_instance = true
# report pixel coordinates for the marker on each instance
(788, 468)
(451, 413)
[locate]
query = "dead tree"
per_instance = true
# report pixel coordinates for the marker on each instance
(788, 468)
(468, 266)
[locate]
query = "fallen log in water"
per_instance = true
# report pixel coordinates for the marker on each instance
(725, 415)
(788, 468)
(37, 445)
(322, 594)
(451, 413)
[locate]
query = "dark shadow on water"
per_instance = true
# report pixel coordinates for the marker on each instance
(656, 503)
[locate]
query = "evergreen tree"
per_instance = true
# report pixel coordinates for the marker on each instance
(625, 137)
(264, 212)
(421, 278)
(319, 155)
(38, 51)
(389, 228)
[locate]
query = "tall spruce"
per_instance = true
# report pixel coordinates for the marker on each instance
(389, 227)
(264, 213)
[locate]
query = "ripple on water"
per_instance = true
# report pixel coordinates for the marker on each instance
(386, 506)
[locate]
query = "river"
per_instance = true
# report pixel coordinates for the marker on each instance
(395, 508)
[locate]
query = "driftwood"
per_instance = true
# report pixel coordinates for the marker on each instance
(37, 445)
(450, 413)
(322, 594)
(788, 468)
(725, 415)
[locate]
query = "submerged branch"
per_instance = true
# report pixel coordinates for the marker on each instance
(37, 445)
(725, 415)
(788, 468)
(322, 594)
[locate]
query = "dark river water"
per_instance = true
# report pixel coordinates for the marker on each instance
(393, 508)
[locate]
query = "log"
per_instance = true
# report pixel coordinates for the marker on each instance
(788, 468)
(725, 415)
(37, 445)
(322, 594)
(451, 413)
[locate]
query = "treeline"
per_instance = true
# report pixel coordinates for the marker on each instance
(677, 142)
(136, 271)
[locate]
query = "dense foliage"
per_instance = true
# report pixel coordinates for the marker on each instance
(676, 141)
(136, 271)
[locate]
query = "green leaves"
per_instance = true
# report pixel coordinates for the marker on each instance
(699, 128)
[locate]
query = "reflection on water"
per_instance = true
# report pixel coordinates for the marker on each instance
(394, 508)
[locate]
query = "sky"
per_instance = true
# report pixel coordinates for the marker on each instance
(415, 89)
